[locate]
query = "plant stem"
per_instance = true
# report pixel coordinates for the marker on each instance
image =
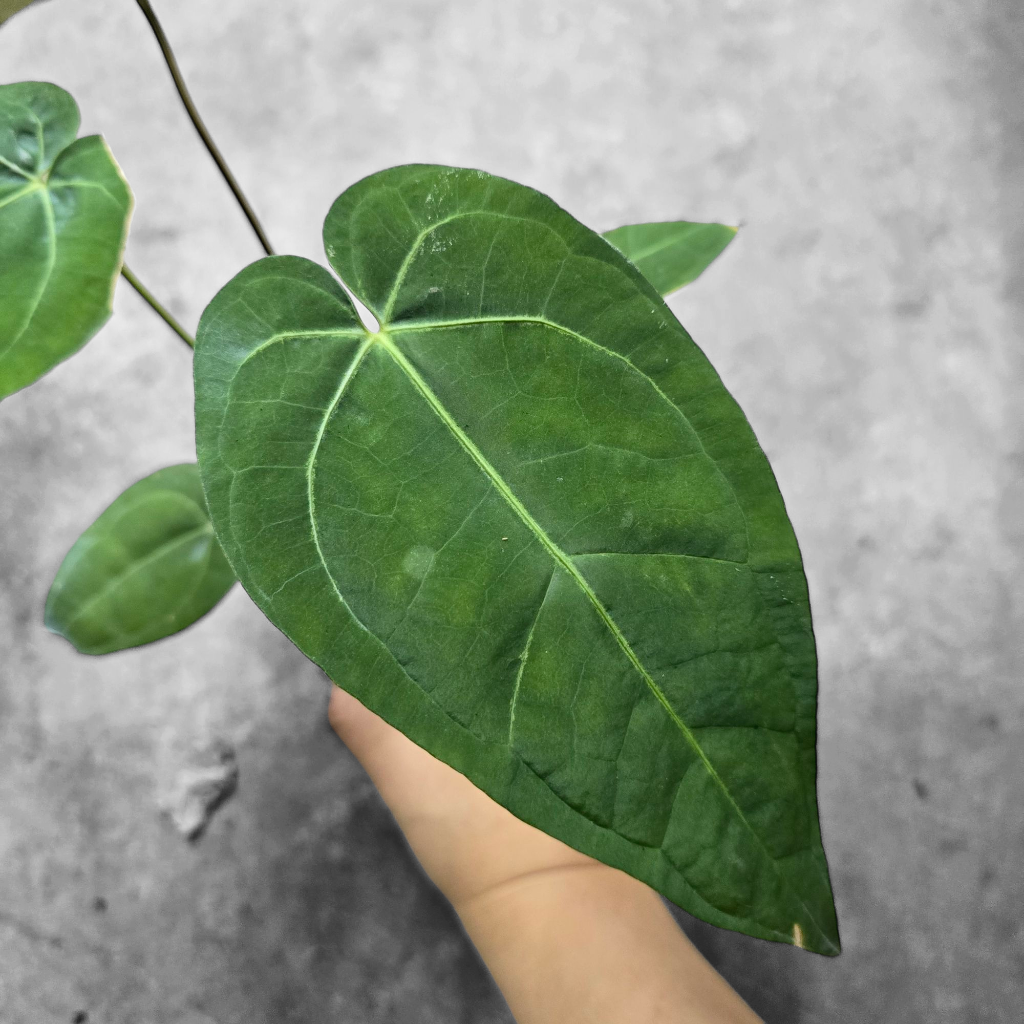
(160, 310)
(197, 121)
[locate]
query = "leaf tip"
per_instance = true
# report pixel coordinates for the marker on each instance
(53, 625)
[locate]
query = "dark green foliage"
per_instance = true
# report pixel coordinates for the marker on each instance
(526, 524)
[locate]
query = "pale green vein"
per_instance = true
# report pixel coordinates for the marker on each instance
(663, 244)
(428, 325)
(661, 554)
(181, 540)
(413, 252)
(311, 464)
(434, 325)
(51, 224)
(522, 660)
(199, 578)
(342, 332)
(14, 167)
(27, 190)
(56, 183)
(40, 137)
(418, 241)
(566, 563)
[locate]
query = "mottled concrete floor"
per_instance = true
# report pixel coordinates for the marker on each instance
(869, 320)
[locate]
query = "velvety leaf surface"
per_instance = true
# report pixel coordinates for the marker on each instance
(672, 253)
(64, 211)
(527, 525)
(147, 568)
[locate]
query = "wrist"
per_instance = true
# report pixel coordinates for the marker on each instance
(489, 860)
(535, 892)
(566, 944)
(587, 944)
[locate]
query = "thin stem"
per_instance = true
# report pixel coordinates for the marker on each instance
(197, 121)
(160, 310)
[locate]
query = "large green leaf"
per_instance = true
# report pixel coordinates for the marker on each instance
(672, 253)
(64, 211)
(147, 568)
(527, 525)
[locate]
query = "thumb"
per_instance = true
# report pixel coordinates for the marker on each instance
(410, 780)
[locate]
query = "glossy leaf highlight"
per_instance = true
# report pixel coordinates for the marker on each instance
(671, 254)
(526, 524)
(64, 211)
(148, 567)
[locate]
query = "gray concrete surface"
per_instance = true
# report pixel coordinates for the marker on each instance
(869, 318)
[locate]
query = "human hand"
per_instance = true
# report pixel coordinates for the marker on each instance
(472, 848)
(569, 940)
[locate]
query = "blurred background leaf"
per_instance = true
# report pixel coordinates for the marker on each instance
(64, 212)
(148, 567)
(671, 253)
(8, 8)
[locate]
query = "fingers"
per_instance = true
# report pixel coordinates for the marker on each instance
(420, 790)
(347, 716)
(466, 842)
(400, 769)
(366, 734)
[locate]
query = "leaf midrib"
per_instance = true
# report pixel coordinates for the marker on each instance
(657, 247)
(667, 243)
(560, 557)
(51, 224)
(160, 551)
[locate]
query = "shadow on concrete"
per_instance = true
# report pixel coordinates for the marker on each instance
(339, 921)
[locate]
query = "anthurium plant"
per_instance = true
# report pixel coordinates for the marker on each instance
(475, 469)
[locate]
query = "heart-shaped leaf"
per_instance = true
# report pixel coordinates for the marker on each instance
(672, 253)
(64, 211)
(147, 568)
(526, 524)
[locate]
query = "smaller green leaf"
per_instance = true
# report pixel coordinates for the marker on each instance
(147, 568)
(672, 253)
(8, 8)
(64, 212)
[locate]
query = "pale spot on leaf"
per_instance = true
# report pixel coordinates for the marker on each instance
(417, 560)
